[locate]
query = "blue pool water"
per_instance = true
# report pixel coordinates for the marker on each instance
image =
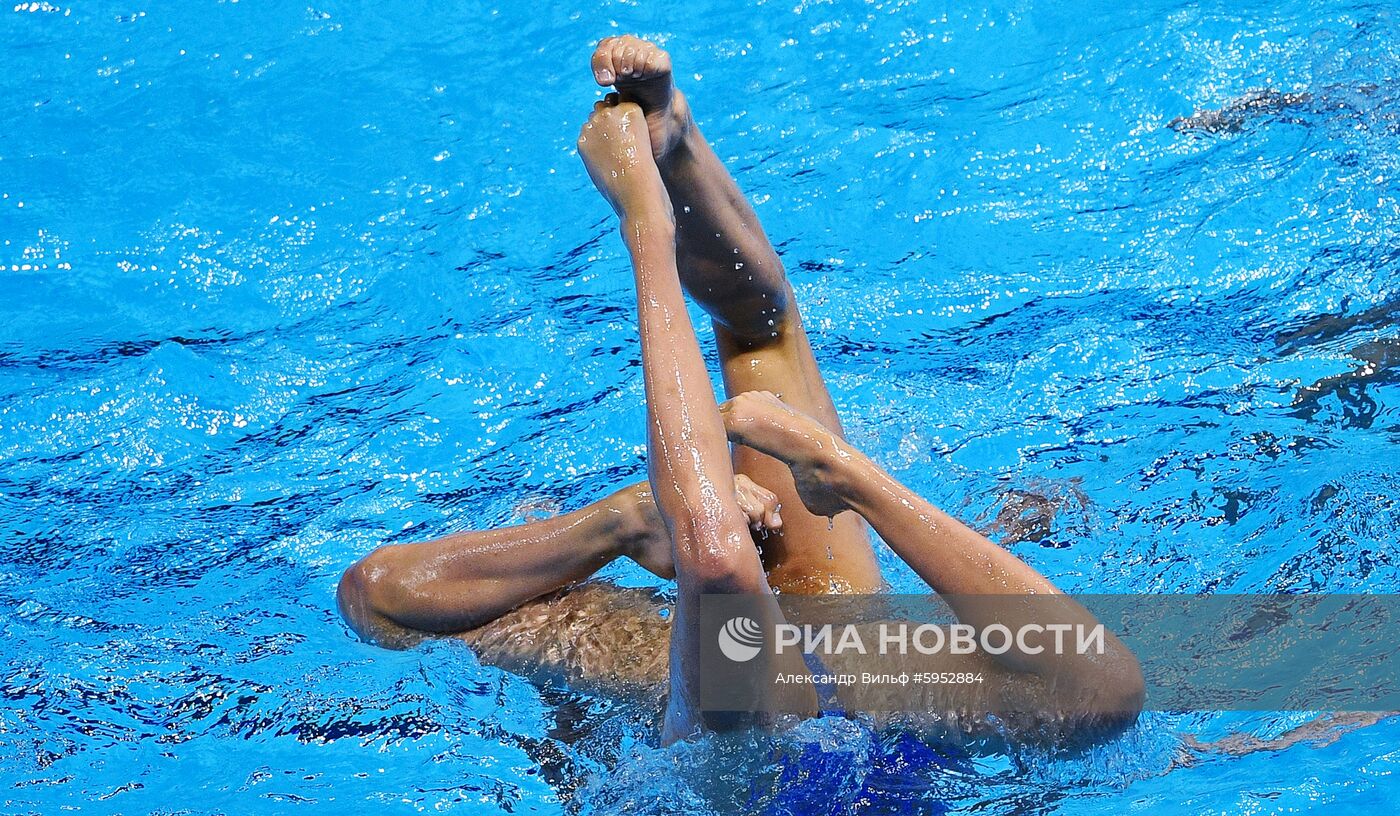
(280, 283)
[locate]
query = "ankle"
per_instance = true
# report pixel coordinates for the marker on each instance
(648, 228)
(840, 467)
(682, 151)
(648, 210)
(850, 475)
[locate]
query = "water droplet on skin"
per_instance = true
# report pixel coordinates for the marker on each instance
(770, 321)
(686, 208)
(741, 266)
(830, 523)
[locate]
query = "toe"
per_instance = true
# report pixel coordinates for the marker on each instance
(657, 63)
(604, 70)
(751, 509)
(771, 519)
(628, 57)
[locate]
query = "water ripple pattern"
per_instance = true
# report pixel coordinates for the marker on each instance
(280, 283)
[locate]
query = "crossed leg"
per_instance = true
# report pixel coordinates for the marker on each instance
(479, 585)
(727, 265)
(399, 594)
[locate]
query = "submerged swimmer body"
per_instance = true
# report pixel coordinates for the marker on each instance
(791, 481)
(1268, 102)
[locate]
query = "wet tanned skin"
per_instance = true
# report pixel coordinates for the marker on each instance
(791, 474)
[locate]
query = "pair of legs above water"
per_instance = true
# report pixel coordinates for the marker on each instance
(462, 581)
(790, 472)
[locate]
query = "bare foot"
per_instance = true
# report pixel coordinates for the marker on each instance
(647, 540)
(614, 147)
(817, 458)
(759, 504)
(641, 72)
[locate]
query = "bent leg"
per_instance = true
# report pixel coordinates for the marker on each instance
(972, 574)
(399, 594)
(462, 581)
(727, 264)
(763, 345)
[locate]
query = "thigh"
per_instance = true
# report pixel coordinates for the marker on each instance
(596, 637)
(812, 554)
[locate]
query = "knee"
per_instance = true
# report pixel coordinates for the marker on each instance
(1127, 690)
(1117, 698)
(753, 310)
(364, 591)
(353, 599)
(719, 558)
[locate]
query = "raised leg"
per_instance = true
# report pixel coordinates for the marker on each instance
(687, 451)
(727, 264)
(975, 577)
